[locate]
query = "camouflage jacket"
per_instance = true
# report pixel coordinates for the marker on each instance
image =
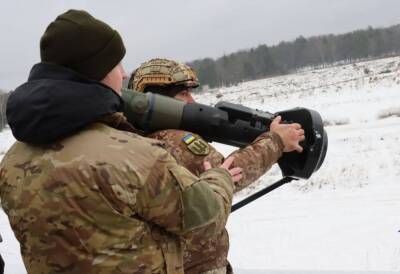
(107, 201)
(201, 254)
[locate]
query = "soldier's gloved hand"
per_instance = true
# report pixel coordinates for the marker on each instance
(291, 134)
(236, 172)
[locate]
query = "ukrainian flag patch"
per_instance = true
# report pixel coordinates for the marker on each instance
(196, 145)
(188, 138)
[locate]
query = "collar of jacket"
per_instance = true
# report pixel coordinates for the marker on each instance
(56, 102)
(118, 121)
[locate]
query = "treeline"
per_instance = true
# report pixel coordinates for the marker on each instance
(3, 100)
(264, 61)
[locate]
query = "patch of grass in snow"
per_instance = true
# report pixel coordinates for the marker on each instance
(385, 113)
(336, 122)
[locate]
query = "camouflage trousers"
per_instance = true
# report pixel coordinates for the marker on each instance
(221, 270)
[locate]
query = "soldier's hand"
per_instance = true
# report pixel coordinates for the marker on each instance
(236, 172)
(291, 134)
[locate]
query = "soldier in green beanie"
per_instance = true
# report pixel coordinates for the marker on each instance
(83, 44)
(85, 193)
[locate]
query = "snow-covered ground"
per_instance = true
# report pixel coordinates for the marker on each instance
(346, 217)
(6, 140)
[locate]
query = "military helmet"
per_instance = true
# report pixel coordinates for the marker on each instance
(162, 72)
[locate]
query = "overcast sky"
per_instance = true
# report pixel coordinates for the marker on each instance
(184, 29)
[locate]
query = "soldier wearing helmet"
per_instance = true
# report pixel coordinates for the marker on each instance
(173, 79)
(165, 77)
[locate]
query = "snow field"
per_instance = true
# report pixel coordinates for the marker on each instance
(346, 217)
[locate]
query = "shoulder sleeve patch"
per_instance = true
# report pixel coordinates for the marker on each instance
(196, 145)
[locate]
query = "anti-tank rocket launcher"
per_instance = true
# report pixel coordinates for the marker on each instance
(231, 124)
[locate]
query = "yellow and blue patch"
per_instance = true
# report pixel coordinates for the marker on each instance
(188, 138)
(196, 145)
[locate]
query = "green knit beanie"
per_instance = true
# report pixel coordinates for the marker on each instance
(79, 41)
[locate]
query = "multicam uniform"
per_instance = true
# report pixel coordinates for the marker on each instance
(76, 208)
(200, 254)
(103, 200)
